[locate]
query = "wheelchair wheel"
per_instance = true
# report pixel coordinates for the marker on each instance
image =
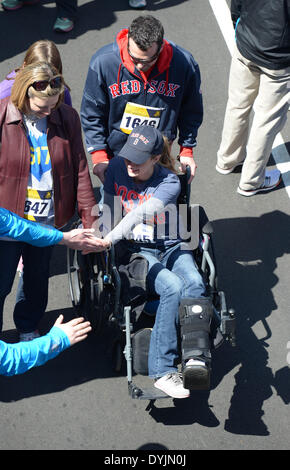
(209, 268)
(86, 286)
(118, 358)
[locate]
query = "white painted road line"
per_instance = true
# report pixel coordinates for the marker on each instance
(281, 157)
(279, 151)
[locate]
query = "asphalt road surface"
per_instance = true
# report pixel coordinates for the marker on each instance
(76, 401)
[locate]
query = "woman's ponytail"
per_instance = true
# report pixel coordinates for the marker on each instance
(166, 158)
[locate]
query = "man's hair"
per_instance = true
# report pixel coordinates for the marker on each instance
(145, 30)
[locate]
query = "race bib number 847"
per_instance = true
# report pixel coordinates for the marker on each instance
(37, 205)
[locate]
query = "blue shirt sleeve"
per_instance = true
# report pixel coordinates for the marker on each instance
(13, 226)
(20, 357)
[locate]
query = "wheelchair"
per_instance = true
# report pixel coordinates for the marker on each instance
(96, 293)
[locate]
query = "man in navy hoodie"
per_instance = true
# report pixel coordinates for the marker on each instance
(141, 79)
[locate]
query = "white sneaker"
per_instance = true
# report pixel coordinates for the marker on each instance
(29, 336)
(171, 384)
(272, 179)
(227, 171)
(137, 3)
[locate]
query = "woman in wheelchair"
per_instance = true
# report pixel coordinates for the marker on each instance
(140, 191)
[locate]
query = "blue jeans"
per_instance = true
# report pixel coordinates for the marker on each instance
(32, 292)
(173, 275)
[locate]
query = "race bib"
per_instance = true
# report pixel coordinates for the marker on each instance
(37, 205)
(143, 233)
(139, 115)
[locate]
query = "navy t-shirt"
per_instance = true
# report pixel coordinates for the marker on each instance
(148, 209)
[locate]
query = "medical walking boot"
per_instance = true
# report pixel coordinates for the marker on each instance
(195, 319)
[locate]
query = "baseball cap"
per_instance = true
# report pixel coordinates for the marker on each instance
(142, 143)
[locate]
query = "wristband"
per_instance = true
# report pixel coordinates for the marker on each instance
(186, 152)
(99, 156)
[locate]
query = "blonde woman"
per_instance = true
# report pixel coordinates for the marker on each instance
(40, 51)
(43, 176)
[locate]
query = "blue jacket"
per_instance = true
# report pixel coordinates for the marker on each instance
(173, 85)
(13, 226)
(20, 357)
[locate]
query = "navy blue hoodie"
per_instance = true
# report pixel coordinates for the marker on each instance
(172, 86)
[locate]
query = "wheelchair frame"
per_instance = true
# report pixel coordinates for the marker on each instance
(95, 290)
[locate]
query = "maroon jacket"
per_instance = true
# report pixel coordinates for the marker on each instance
(71, 179)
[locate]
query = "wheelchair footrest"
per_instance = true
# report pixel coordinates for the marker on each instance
(146, 393)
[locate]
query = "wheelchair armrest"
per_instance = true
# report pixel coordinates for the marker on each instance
(207, 228)
(204, 223)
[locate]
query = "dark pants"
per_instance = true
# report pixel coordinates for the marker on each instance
(32, 292)
(67, 8)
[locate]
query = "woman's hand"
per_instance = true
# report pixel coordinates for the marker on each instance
(76, 330)
(82, 239)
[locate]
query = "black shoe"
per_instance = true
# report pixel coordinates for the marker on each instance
(196, 375)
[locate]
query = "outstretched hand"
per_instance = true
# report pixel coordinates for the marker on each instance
(76, 329)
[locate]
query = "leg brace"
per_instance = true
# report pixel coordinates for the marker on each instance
(195, 320)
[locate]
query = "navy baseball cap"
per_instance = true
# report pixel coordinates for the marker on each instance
(142, 143)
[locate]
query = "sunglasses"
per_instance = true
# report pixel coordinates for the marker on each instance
(41, 85)
(142, 61)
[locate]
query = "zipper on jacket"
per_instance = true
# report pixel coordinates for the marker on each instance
(23, 166)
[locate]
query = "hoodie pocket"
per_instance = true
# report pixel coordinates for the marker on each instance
(115, 141)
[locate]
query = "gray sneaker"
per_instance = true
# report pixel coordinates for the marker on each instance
(172, 385)
(137, 3)
(272, 179)
(63, 25)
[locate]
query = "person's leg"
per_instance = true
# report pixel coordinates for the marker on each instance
(32, 293)
(195, 315)
(172, 276)
(67, 9)
(66, 15)
(10, 253)
(243, 89)
(271, 108)
(181, 262)
(163, 352)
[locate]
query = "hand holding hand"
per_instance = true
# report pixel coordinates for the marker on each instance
(82, 239)
(101, 245)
